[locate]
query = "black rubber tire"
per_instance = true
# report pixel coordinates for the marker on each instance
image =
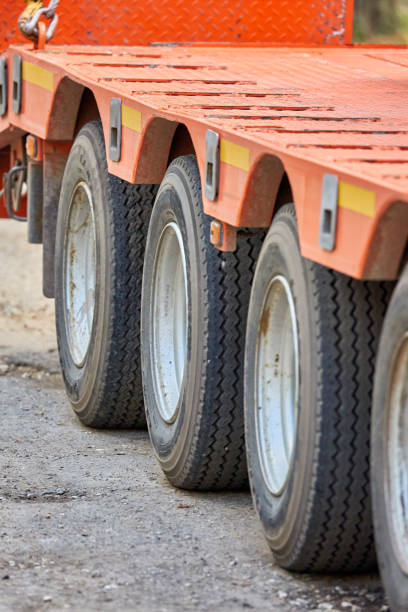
(322, 519)
(107, 391)
(395, 328)
(204, 447)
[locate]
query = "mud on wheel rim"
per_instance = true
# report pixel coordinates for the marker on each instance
(396, 497)
(169, 321)
(277, 383)
(79, 273)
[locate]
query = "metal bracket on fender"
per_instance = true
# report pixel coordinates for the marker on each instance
(3, 86)
(17, 67)
(212, 165)
(115, 132)
(328, 212)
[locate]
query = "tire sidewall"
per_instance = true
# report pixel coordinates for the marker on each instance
(171, 441)
(280, 254)
(86, 163)
(395, 326)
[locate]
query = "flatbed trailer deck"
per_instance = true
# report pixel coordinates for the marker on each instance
(222, 224)
(303, 111)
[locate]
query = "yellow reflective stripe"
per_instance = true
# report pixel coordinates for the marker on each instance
(131, 118)
(234, 155)
(357, 199)
(36, 75)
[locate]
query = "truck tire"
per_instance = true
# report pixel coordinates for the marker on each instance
(389, 450)
(194, 306)
(309, 364)
(101, 229)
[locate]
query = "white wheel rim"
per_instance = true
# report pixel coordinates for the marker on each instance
(277, 383)
(80, 273)
(169, 321)
(397, 455)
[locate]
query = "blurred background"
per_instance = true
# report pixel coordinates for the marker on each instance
(381, 21)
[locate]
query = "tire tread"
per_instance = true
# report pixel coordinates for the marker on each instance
(217, 458)
(344, 541)
(117, 399)
(330, 530)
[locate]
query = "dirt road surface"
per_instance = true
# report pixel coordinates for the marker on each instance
(87, 520)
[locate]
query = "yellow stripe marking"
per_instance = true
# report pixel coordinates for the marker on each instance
(234, 155)
(38, 76)
(357, 199)
(131, 118)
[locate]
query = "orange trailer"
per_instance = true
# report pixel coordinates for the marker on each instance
(225, 184)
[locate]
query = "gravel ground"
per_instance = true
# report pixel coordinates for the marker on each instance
(87, 520)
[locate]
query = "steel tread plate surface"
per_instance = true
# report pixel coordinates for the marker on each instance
(139, 23)
(345, 108)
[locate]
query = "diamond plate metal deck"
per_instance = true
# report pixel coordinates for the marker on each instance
(343, 107)
(309, 111)
(113, 22)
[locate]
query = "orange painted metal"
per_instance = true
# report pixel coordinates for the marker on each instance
(298, 104)
(341, 111)
(42, 35)
(114, 22)
(305, 111)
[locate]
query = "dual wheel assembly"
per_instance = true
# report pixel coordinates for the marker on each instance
(154, 322)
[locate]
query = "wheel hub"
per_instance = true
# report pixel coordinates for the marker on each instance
(277, 381)
(80, 273)
(169, 312)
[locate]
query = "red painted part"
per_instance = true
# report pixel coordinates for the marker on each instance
(4, 167)
(306, 111)
(114, 22)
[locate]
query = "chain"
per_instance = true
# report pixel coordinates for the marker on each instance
(52, 8)
(29, 18)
